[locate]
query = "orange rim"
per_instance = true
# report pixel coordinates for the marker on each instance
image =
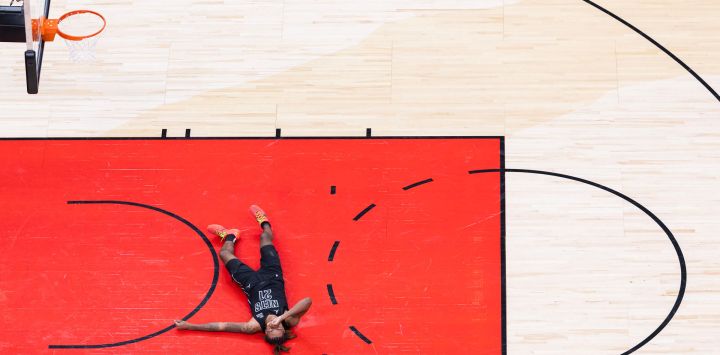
(77, 12)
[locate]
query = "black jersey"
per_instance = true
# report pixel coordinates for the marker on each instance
(265, 288)
(267, 297)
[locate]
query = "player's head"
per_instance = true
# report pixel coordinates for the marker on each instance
(277, 335)
(273, 331)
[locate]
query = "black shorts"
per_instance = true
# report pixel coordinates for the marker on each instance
(248, 278)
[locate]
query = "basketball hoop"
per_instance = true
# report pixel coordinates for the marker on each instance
(86, 25)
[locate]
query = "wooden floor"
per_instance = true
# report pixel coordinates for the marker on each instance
(573, 90)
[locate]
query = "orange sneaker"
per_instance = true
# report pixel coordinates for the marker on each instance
(222, 232)
(259, 215)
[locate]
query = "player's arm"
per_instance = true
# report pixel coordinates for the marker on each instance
(248, 327)
(292, 317)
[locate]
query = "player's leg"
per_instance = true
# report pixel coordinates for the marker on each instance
(266, 237)
(227, 252)
(269, 258)
(240, 273)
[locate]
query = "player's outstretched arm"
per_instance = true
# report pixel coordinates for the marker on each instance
(233, 327)
(292, 317)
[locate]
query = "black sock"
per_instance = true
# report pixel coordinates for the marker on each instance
(230, 238)
(262, 225)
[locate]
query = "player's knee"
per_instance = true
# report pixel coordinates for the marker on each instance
(265, 242)
(267, 235)
(226, 255)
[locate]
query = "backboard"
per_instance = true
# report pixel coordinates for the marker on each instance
(34, 10)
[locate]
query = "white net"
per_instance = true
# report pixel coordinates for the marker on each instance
(83, 24)
(83, 50)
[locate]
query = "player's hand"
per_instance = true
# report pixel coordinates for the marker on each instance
(275, 322)
(181, 324)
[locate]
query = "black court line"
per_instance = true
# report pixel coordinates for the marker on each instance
(333, 250)
(331, 293)
(417, 184)
(671, 237)
(360, 335)
(484, 171)
(209, 293)
(363, 212)
(235, 138)
(503, 283)
(660, 46)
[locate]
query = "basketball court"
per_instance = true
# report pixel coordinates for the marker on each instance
(443, 177)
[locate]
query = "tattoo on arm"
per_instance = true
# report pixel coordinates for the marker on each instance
(245, 327)
(234, 327)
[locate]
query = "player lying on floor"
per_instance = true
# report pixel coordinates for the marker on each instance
(265, 289)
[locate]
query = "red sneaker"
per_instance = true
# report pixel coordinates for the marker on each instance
(222, 232)
(259, 215)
